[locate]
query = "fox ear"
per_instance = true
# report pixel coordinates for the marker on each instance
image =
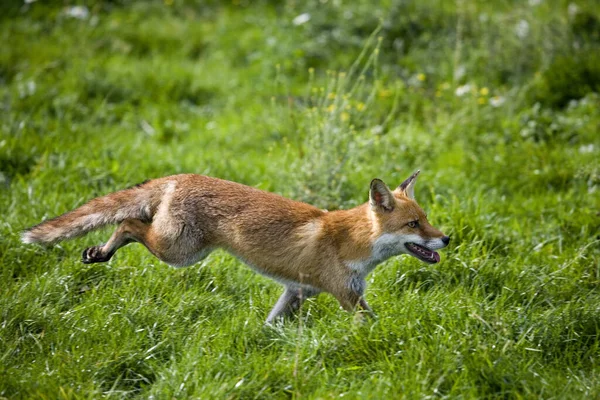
(408, 186)
(380, 196)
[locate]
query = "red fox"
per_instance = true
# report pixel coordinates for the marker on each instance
(182, 218)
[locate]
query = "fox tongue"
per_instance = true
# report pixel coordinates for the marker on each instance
(433, 256)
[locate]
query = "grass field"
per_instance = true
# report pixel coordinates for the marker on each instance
(495, 102)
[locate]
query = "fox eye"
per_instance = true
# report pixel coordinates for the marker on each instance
(413, 224)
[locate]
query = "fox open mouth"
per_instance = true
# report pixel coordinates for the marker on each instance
(423, 253)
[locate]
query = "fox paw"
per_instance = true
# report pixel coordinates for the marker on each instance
(93, 254)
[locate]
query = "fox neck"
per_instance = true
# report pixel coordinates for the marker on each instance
(358, 239)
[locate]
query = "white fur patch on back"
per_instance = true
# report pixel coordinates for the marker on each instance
(165, 200)
(162, 218)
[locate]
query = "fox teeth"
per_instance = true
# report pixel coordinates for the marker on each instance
(424, 253)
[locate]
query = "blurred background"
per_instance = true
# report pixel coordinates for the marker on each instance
(271, 93)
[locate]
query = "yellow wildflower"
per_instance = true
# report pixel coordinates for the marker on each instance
(360, 106)
(331, 95)
(481, 100)
(344, 116)
(421, 77)
(331, 108)
(484, 91)
(385, 93)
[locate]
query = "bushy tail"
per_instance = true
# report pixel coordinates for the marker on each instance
(114, 208)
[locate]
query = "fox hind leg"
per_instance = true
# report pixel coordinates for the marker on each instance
(290, 301)
(131, 230)
(171, 241)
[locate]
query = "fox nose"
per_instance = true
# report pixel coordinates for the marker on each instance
(446, 240)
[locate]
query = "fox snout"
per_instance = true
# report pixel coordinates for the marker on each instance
(437, 243)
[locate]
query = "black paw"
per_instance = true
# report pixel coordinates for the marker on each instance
(93, 254)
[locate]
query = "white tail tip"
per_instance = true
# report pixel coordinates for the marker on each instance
(27, 237)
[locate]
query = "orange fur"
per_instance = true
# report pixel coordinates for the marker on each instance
(182, 218)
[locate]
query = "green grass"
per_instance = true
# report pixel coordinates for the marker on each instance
(510, 170)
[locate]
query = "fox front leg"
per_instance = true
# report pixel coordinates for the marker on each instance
(351, 298)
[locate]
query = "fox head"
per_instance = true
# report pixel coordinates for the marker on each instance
(400, 225)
